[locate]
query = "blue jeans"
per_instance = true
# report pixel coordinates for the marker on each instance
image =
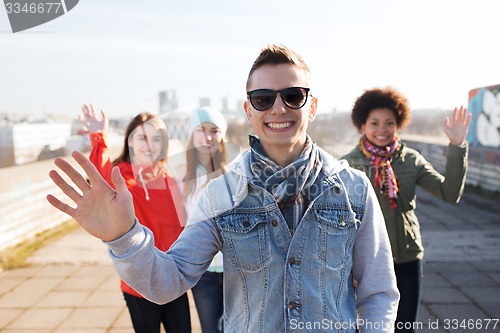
(147, 316)
(208, 296)
(409, 280)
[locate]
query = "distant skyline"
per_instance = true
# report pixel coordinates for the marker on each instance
(119, 55)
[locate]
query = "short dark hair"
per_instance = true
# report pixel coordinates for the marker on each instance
(376, 98)
(275, 54)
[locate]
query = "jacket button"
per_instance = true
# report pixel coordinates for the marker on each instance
(294, 261)
(274, 223)
(246, 224)
(342, 222)
(293, 305)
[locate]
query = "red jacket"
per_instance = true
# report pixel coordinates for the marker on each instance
(159, 213)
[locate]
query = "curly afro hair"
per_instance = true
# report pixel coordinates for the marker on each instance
(381, 98)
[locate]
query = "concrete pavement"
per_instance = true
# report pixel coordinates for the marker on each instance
(461, 286)
(71, 286)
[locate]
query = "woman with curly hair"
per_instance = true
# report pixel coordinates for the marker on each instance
(395, 170)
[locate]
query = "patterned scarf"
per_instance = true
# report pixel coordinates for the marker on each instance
(381, 158)
(288, 185)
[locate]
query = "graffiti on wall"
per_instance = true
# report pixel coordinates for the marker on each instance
(484, 104)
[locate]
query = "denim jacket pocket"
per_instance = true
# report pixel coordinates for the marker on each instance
(246, 239)
(335, 233)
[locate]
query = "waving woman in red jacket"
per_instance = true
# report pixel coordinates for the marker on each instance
(156, 196)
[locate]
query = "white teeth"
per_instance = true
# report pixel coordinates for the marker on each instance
(279, 125)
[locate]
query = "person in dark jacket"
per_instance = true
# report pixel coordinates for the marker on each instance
(395, 171)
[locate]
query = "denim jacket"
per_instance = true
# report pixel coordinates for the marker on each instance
(275, 281)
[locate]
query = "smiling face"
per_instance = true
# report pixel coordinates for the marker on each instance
(207, 138)
(281, 130)
(380, 127)
(146, 144)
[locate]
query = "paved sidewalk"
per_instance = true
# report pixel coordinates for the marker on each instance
(72, 287)
(461, 286)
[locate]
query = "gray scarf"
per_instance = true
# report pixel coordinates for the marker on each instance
(288, 185)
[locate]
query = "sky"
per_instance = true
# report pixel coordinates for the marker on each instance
(118, 54)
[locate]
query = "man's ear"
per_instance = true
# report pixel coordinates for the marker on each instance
(313, 108)
(246, 106)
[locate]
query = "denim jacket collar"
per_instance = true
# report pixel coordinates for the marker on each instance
(241, 167)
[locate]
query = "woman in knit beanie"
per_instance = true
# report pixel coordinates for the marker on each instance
(205, 160)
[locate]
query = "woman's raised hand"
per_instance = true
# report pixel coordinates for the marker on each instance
(456, 128)
(93, 123)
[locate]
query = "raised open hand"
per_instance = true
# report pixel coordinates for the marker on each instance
(456, 128)
(102, 211)
(93, 122)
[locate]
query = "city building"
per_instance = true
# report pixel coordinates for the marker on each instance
(29, 142)
(225, 106)
(168, 101)
(204, 101)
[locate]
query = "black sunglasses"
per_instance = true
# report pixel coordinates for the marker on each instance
(263, 99)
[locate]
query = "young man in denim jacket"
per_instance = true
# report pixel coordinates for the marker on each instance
(304, 241)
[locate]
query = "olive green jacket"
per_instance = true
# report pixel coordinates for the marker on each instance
(412, 169)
